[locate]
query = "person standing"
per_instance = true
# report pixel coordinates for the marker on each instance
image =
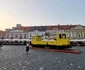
(27, 47)
(1, 44)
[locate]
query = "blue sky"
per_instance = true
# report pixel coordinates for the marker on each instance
(41, 12)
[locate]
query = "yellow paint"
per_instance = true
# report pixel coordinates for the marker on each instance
(37, 40)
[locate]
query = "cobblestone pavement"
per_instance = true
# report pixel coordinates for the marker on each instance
(15, 58)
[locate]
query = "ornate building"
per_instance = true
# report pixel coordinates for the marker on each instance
(76, 32)
(37, 30)
(21, 32)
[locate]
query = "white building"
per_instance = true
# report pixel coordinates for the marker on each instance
(37, 30)
(17, 34)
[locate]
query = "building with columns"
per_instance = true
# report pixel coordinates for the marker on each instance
(53, 30)
(26, 32)
(76, 32)
(37, 30)
(16, 34)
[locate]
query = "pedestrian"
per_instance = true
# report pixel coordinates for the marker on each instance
(27, 48)
(1, 44)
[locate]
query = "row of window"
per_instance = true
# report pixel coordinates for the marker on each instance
(78, 35)
(16, 36)
(70, 34)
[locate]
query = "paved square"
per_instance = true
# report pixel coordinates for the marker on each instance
(15, 58)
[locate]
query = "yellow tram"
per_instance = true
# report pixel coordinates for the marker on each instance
(61, 41)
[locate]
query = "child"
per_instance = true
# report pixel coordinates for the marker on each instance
(27, 47)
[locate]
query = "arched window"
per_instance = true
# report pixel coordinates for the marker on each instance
(79, 34)
(16, 35)
(7, 35)
(24, 35)
(30, 35)
(11, 36)
(20, 36)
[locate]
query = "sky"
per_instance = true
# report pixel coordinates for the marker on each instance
(41, 12)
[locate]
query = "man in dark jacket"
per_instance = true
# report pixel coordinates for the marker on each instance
(27, 47)
(1, 44)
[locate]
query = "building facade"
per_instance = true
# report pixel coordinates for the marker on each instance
(77, 32)
(20, 32)
(52, 31)
(16, 34)
(37, 30)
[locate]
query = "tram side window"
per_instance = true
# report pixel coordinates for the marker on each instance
(62, 36)
(39, 38)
